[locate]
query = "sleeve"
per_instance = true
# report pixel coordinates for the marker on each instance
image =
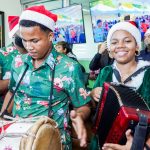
(76, 88)
(95, 62)
(12, 82)
(6, 66)
(145, 88)
(105, 75)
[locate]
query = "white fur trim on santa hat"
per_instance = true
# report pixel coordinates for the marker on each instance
(148, 31)
(13, 31)
(133, 30)
(38, 17)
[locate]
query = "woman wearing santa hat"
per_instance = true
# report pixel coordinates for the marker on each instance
(124, 43)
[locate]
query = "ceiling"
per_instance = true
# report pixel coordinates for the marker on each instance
(85, 3)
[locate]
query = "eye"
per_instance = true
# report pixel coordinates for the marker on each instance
(35, 41)
(113, 42)
(127, 41)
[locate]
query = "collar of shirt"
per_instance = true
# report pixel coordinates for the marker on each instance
(50, 60)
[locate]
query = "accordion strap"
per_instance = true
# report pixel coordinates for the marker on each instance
(140, 133)
(118, 77)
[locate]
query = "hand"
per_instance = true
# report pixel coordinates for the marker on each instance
(103, 48)
(79, 127)
(95, 93)
(110, 146)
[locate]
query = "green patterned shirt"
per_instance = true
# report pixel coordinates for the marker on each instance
(33, 94)
(6, 57)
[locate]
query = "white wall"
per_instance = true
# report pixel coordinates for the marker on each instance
(9, 7)
(88, 50)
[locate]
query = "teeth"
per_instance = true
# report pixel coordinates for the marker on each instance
(121, 53)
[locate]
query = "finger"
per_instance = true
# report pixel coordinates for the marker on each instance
(79, 132)
(113, 146)
(96, 99)
(73, 114)
(83, 142)
(128, 134)
(106, 148)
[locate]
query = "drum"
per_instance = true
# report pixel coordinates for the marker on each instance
(37, 133)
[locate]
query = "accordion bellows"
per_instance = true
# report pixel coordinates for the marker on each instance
(117, 111)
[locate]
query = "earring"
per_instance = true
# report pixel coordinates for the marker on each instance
(137, 53)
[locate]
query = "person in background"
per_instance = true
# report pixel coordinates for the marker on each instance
(124, 42)
(145, 54)
(101, 59)
(42, 60)
(99, 31)
(8, 53)
(65, 48)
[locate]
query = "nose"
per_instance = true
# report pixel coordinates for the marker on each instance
(28, 46)
(120, 44)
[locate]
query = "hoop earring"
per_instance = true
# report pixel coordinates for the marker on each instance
(137, 53)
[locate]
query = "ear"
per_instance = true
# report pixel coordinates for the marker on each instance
(50, 36)
(137, 50)
(65, 50)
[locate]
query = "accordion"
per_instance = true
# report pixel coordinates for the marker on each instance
(116, 112)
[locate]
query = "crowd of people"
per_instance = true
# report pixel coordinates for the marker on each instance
(103, 26)
(43, 79)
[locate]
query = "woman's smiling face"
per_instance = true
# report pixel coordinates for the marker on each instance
(123, 46)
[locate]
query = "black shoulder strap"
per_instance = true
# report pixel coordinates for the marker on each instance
(140, 133)
(118, 77)
(51, 93)
(5, 110)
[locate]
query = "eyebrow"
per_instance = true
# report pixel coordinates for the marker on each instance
(117, 39)
(27, 40)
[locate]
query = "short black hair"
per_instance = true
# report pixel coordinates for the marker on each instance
(66, 46)
(29, 23)
(18, 41)
(98, 21)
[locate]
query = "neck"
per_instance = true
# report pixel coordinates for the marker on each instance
(38, 62)
(127, 68)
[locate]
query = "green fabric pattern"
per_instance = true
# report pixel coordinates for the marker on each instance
(6, 57)
(32, 97)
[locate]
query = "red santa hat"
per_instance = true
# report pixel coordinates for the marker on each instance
(13, 25)
(127, 26)
(40, 15)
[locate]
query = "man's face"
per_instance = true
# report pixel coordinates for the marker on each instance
(36, 41)
(147, 39)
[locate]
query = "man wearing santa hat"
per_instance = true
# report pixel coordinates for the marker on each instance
(52, 81)
(8, 53)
